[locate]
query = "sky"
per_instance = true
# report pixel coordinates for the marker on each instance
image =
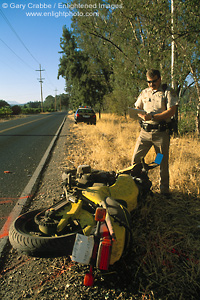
(28, 41)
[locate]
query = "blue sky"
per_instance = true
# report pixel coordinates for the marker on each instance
(27, 41)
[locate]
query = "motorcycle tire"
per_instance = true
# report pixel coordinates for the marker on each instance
(24, 235)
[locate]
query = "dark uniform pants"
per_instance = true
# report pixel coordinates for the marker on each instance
(160, 141)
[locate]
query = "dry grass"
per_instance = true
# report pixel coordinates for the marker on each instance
(11, 117)
(109, 145)
(185, 164)
(166, 250)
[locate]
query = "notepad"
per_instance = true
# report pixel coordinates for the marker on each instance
(133, 112)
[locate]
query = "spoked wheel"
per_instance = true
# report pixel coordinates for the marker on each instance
(25, 236)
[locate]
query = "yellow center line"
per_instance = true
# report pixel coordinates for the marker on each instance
(22, 124)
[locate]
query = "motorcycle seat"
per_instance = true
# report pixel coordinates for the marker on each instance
(124, 189)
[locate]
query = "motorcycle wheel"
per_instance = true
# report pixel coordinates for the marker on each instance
(25, 236)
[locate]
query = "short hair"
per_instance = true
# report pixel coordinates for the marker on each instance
(151, 73)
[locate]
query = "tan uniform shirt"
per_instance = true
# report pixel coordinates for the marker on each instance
(156, 101)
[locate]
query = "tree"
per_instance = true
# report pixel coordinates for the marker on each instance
(187, 37)
(16, 109)
(35, 104)
(123, 39)
(72, 67)
(83, 83)
(3, 103)
(49, 103)
(63, 101)
(126, 38)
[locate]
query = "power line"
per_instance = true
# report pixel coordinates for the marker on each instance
(50, 82)
(14, 31)
(21, 41)
(15, 53)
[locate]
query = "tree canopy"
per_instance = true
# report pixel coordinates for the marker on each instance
(106, 54)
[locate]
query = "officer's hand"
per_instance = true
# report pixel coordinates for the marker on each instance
(146, 117)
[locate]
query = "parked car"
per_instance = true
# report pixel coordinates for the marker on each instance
(85, 114)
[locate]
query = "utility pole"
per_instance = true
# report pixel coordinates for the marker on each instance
(56, 99)
(41, 81)
(60, 102)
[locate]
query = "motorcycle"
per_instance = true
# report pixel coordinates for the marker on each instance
(93, 223)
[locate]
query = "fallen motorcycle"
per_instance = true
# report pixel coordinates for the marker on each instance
(92, 223)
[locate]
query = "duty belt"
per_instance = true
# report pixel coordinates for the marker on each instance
(163, 126)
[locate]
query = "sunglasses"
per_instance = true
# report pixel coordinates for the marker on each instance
(152, 81)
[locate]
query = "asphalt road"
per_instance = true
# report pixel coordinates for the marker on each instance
(23, 143)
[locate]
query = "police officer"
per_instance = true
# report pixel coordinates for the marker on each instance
(159, 105)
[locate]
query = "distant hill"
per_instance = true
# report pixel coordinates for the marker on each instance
(12, 103)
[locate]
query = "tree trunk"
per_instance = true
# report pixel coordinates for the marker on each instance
(198, 105)
(198, 119)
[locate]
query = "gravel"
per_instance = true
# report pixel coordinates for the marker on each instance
(25, 277)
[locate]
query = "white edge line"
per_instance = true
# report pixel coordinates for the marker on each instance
(27, 192)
